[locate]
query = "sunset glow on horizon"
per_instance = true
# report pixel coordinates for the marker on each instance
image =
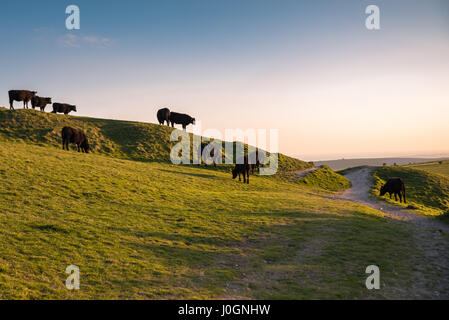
(313, 71)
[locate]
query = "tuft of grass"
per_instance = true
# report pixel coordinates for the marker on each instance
(426, 192)
(327, 179)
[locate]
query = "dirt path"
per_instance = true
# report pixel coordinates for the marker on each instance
(431, 237)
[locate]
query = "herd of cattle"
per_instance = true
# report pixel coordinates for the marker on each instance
(394, 186)
(37, 102)
(78, 137)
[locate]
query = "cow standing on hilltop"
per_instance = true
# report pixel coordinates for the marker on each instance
(394, 186)
(181, 118)
(163, 115)
(40, 102)
(63, 108)
(20, 95)
(71, 135)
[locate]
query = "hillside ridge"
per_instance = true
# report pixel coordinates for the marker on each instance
(117, 138)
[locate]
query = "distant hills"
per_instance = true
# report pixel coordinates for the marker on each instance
(349, 163)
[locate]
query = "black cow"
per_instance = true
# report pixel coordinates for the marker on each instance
(256, 159)
(242, 168)
(163, 115)
(20, 95)
(181, 118)
(40, 102)
(210, 152)
(71, 135)
(394, 186)
(63, 108)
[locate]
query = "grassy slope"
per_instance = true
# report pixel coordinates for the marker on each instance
(120, 139)
(327, 179)
(434, 167)
(426, 191)
(118, 220)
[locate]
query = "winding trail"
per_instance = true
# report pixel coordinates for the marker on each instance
(431, 237)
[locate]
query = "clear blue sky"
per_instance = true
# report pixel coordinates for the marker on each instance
(308, 68)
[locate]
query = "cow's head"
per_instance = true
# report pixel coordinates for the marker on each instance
(383, 190)
(33, 93)
(234, 173)
(86, 146)
(73, 108)
(47, 100)
(192, 121)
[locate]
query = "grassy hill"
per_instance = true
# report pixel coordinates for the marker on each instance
(149, 229)
(119, 139)
(343, 164)
(427, 190)
(437, 167)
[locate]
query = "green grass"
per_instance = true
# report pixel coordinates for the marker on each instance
(438, 167)
(119, 221)
(426, 191)
(141, 228)
(327, 179)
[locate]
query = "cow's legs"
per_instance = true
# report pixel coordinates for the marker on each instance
(244, 177)
(247, 176)
(395, 196)
(403, 194)
(239, 177)
(400, 197)
(10, 104)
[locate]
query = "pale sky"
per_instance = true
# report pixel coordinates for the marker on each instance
(310, 69)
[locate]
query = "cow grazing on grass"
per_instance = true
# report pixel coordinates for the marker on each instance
(63, 108)
(71, 135)
(242, 169)
(394, 186)
(20, 95)
(163, 115)
(40, 102)
(180, 118)
(210, 152)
